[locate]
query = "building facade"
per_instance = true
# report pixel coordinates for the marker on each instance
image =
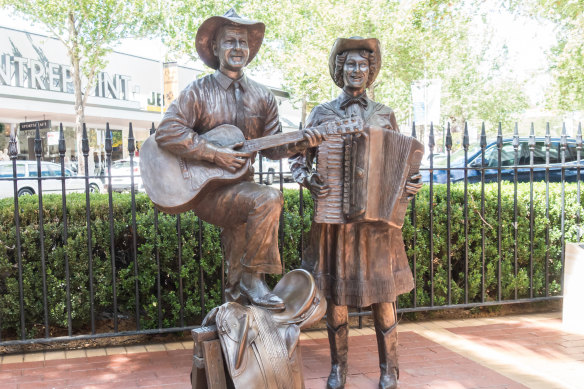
(36, 85)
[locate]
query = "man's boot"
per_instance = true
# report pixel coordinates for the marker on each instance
(339, 342)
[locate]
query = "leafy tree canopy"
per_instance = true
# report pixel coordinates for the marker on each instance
(421, 39)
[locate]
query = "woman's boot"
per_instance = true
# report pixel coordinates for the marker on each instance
(339, 342)
(338, 334)
(384, 316)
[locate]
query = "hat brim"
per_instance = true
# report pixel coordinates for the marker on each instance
(344, 44)
(206, 35)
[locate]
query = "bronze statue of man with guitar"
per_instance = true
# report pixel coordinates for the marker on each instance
(203, 149)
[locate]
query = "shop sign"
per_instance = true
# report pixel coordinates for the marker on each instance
(43, 124)
(43, 75)
(154, 103)
(53, 138)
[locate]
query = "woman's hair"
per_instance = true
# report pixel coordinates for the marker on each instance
(340, 62)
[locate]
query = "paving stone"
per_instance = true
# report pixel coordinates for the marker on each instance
(34, 357)
(75, 354)
(95, 352)
(155, 347)
(55, 355)
(174, 346)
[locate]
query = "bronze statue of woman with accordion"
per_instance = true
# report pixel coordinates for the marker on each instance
(361, 182)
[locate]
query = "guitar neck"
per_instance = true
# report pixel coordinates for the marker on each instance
(270, 141)
(348, 126)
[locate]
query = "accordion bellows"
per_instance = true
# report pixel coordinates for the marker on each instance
(366, 174)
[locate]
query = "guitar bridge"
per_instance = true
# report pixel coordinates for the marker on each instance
(184, 168)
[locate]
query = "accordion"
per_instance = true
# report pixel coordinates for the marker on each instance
(366, 174)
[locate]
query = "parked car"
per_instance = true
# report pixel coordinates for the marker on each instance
(271, 170)
(508, 162)
(26, 172)
(121, 175)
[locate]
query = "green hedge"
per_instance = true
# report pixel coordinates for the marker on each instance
(489, 222)
(167, 242)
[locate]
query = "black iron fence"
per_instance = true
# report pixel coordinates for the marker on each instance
(489, 228)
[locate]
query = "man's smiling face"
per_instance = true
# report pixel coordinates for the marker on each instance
(231, 48)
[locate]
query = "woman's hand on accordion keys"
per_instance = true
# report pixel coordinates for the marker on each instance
(413, 185)
(316, 185)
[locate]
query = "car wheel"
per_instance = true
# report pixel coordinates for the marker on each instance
(93, 188)
(25, 192)
(270, 177)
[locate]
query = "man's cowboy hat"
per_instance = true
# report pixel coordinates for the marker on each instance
(208, 30)
(355, 43)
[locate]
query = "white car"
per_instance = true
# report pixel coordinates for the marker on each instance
(271, 170)
(121, 175)
(26, 172)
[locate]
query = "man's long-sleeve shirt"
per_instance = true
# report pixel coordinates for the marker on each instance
(209, 102)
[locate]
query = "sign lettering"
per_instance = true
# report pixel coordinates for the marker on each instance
(34, 74)
(43, 124)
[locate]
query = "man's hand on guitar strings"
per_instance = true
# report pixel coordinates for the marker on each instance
(231, 159)
(413, 185)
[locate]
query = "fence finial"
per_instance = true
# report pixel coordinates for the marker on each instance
(84, 141)
(62, 147)
(152, 129)
(131, 140)
(448, 138)
(38, 143)
(483, 143)
(108, 139)
(413, 129)
(516, 137)
(500, 136)
(465, 138)
(532, 137)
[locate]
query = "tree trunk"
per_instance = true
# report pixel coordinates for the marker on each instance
(77, 86)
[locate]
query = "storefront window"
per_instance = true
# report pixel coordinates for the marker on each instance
(4, 139)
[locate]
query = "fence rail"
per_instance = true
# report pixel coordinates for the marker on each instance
(452, 267)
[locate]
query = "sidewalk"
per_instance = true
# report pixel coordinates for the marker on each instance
(528, 351)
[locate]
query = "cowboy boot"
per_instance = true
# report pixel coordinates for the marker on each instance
(339, 342)
(387, 349)
(385, 319)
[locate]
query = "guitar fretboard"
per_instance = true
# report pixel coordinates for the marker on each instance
(346, 126)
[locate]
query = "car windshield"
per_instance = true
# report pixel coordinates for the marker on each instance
(121, 164)
(456, 156)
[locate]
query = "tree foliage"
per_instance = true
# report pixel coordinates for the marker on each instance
(420, 39)
(567, 57)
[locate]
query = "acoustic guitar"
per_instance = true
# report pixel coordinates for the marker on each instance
(174, 184)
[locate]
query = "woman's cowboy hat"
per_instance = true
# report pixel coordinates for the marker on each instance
(355, 43)
(206, 35)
